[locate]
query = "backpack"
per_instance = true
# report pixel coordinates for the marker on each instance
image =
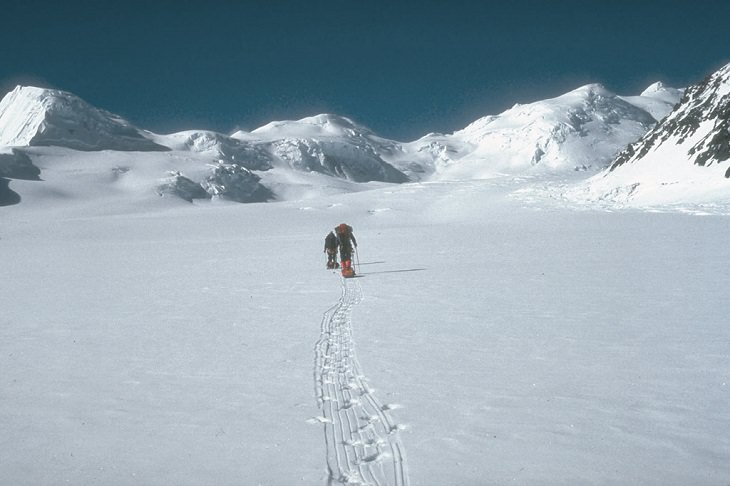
(343, 231)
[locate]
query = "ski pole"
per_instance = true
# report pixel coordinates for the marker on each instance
(357, 259)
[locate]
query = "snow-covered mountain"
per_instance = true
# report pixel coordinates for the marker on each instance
(47, 117)
(195, 164)
(329, 144)
(326, 144)
(583, 129)
(685, 156)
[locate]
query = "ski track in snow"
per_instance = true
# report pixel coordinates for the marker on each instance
(362, 440)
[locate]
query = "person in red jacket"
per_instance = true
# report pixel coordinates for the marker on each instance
(346, 241)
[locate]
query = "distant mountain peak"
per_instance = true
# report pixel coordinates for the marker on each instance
(653, 88)
(330, 119)
(322, 125)
(593, 89)
(38, 116)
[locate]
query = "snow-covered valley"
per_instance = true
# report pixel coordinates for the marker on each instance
(509, 341)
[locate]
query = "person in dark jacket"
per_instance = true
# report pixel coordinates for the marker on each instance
(330, 248)
(346, 240)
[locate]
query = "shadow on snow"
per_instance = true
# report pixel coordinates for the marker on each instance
(395, 271)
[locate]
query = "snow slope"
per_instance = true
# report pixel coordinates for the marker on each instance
(657, 100)
(683, 159)
(161, 342)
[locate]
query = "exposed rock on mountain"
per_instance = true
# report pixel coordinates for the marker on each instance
(580, 130)
(699, 126)
(685, 157)
(329, 144)
(219, 147)
(236, 183)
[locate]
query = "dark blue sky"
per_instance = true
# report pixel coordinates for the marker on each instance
(403, 68)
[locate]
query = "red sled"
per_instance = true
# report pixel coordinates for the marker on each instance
(347, 270)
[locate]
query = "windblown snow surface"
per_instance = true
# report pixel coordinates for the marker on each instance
(490, 340)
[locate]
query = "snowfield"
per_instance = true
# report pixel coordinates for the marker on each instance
(537, 303)
(495, 337)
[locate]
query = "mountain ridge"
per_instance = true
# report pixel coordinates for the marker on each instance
(581, 130)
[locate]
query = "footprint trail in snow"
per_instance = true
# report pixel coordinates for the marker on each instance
(362, 440)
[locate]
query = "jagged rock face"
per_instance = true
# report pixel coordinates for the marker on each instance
(44, 117)
(228, 149)
(226, 181)
(684, 159)
(236, 183)
(331, 145)
(182, 187)
(336, 158)
(700, 126)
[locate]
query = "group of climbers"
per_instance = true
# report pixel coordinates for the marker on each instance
(343, 239)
